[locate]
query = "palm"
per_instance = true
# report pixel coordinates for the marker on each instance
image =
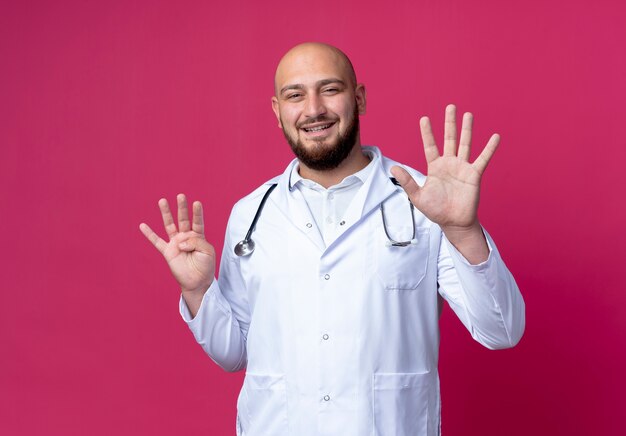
(451, 192)
(190, 269)
(190, 257)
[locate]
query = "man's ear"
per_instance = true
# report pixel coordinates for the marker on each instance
(276, 111)
(361, 98)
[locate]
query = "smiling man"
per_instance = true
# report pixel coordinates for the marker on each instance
(318, 108)
(331, 301)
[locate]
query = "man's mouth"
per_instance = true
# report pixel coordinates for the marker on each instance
(317, 128)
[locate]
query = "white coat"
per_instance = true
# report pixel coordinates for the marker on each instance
(343, 339)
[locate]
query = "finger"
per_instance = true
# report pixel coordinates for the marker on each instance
(466, 137)
(196, 244)
(407, 182)
(198, 220)
(482, 161)
(183, 214)
(449, 132)
(168, 220)
(430, 147)
(159, 243)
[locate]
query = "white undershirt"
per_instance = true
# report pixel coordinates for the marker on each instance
(328, 206)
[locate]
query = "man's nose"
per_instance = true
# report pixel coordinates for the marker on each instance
(314, 106)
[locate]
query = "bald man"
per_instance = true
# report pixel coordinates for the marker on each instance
(331, 299)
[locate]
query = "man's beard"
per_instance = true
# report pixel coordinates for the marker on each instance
(324, 158)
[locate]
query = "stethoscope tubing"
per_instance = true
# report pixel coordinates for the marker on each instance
(258, 211)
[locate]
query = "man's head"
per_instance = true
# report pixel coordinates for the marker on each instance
(318, 102)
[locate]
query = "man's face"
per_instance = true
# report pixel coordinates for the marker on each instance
(317, 105)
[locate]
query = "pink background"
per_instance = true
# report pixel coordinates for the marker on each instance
(105, 107)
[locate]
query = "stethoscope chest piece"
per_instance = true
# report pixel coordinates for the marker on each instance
(244, 248)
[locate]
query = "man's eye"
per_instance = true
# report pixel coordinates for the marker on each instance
(294, 96)
(331, 90)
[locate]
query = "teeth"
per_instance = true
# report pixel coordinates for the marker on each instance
(318, 129)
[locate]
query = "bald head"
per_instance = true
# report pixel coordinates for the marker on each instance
(313, 56)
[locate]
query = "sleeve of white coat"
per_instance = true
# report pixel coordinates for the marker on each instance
(222, 321)
(485, 297)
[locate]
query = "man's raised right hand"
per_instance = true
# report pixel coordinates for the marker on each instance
(190, 257)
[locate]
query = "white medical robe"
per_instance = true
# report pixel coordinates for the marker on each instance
(343, 339)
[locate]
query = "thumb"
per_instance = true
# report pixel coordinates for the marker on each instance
(196, 244)
(407, 182)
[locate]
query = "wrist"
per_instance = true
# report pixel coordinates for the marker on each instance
(199, 290)
(193, 298)
(196, 287)
(469, 241)
(461, 233)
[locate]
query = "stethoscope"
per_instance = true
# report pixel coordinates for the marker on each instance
(246, 246)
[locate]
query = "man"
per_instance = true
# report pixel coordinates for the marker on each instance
(335, 314)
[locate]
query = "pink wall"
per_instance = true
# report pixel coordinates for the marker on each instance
(107, 106)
